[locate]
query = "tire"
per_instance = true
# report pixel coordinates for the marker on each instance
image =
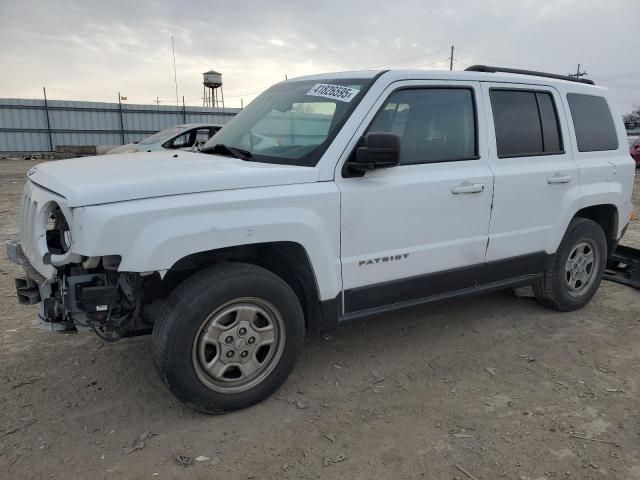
(200, 350)
(568, 284)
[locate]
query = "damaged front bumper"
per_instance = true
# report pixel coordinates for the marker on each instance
(35, 288)
(77, 298)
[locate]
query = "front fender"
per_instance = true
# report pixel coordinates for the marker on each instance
(153, 234)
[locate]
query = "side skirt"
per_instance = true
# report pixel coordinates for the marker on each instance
(370, 300)
(465, 292)
(445, 283)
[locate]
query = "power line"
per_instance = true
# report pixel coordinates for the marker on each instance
(395, 62)
(444, 60)
(246, 94)
(619, 75)
(175, 75)
(506, 62)
(253, 92)
(461, 63)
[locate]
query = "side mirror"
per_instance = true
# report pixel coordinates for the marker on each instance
(377, 150)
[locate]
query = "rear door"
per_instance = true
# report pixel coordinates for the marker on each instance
(536, 178)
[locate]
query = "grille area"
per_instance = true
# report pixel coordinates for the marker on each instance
(33, 227)
(28, 216)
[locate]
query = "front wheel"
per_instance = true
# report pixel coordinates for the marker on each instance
(230, 336)
(573, 276)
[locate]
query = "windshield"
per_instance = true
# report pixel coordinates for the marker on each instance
(633, 141)
(162, 135)
(292, 122)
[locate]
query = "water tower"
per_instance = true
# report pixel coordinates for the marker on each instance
(212, 81)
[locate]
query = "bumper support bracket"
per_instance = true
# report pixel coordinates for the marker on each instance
(623, 266)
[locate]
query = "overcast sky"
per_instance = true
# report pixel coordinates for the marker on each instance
(90, 50)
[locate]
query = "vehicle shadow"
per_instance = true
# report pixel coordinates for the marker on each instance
(332, 368)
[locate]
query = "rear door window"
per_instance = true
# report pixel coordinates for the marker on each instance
(592, 122)
(549, 121)
(526, 123)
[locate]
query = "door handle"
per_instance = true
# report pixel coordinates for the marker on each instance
(557, 178)
(467, 187)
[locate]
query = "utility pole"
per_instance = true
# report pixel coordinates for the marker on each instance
(241, 103)
(285, 77)
(158, 100)
(451, 58)
(46, 111)
(578, 73)
(175, 76)
(121, 119)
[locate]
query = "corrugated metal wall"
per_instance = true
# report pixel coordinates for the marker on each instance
(295, 128)
(23, 123)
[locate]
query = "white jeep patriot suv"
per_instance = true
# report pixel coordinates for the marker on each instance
(380, 190)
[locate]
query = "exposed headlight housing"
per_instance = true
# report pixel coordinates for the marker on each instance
(58, 233)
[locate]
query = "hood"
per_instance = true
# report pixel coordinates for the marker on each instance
(114, 178)
(124, 148)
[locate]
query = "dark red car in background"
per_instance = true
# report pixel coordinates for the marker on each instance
(634, 149)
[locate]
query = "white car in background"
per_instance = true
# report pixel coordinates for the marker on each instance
(187, 136)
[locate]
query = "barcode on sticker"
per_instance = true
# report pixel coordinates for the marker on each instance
(335, 92)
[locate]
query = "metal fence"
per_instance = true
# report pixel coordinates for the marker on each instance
(295, 128)
(40, 125)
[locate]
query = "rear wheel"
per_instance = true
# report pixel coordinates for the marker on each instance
(229, 338)
(573, 277)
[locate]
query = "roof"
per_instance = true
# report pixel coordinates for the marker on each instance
(500, 77)
(338, 75)
(212, 72)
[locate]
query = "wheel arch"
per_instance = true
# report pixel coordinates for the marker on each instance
(288, 260)
(607, 216)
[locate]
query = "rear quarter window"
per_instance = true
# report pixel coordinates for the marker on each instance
(592, 122)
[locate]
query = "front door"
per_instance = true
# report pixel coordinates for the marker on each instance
(418, 230)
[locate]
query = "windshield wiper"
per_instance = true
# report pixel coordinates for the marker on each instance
(223, 149)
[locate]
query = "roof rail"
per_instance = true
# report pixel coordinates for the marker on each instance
(486, 68)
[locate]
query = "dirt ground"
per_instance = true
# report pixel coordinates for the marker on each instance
(494, 386)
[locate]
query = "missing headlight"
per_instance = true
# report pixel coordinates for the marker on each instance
(58, 233)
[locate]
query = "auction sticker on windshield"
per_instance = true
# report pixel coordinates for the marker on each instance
(335, 92)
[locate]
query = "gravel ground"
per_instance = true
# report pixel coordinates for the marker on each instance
(489, 387)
